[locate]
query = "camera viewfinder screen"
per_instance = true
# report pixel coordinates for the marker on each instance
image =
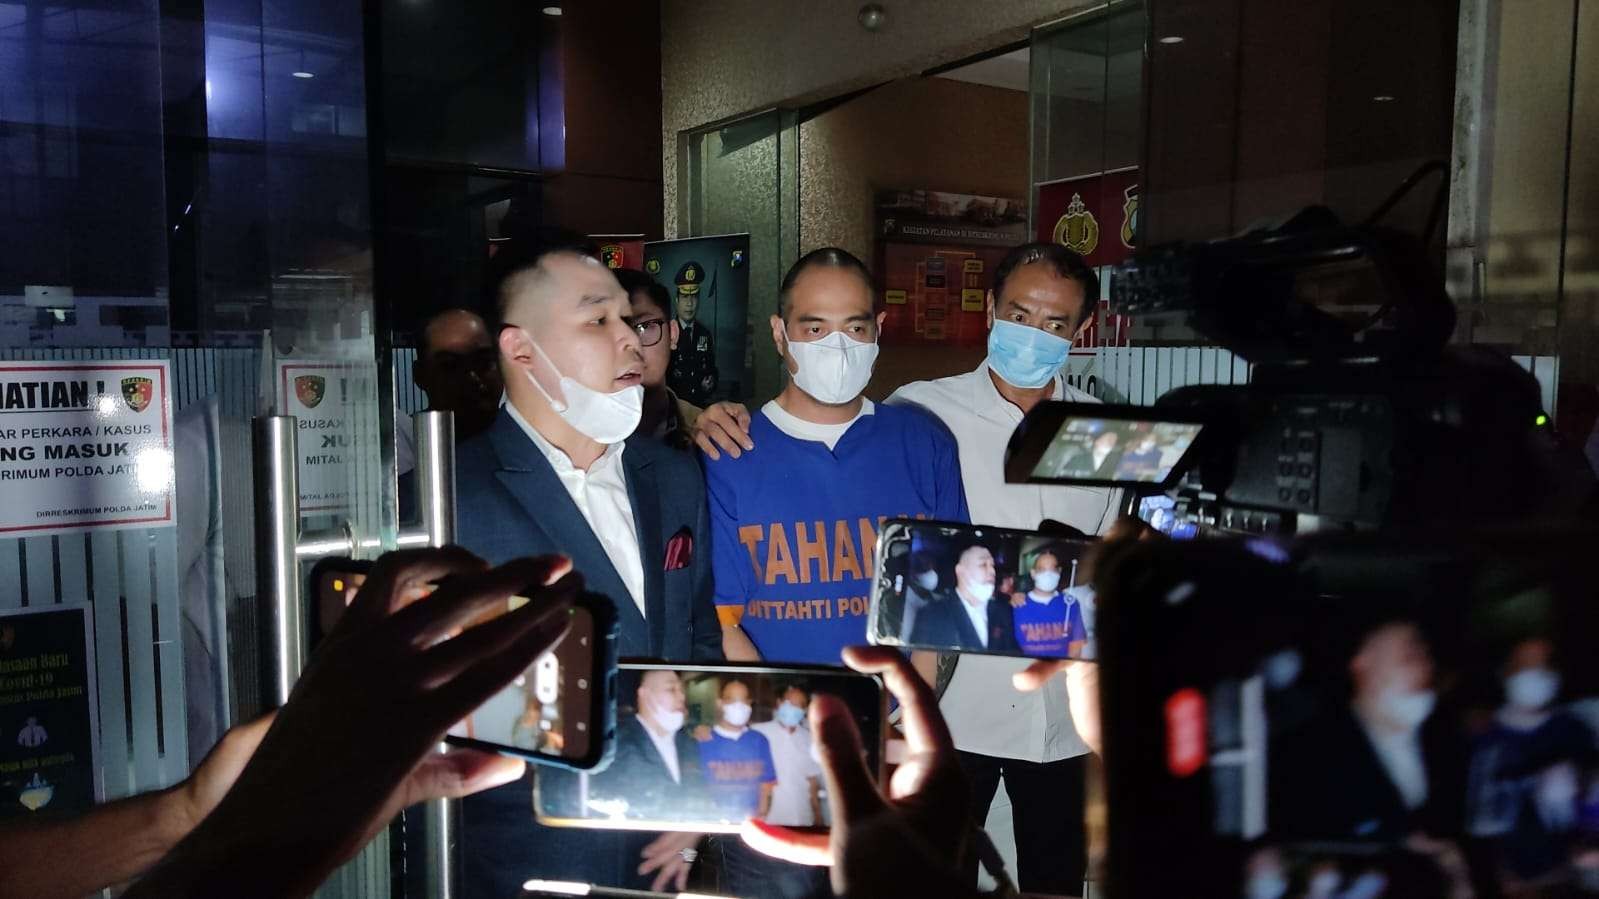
(704, 749)
(1115, 450)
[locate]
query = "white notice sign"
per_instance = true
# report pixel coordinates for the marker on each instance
(85, 445)
(328, 399)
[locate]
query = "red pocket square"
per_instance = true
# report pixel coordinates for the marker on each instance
(680, 550)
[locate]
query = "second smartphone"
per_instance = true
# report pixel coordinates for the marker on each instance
(949, 587)
(701, 748)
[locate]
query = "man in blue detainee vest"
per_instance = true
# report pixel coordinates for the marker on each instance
(794, 522)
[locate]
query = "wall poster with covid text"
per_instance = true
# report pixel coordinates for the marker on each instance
(85, 446)
(49, 729)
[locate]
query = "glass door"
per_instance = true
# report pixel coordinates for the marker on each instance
(186, 209)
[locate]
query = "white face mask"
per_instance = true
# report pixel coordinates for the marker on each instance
(980, 592)
(736, 713)
(1046, 581)
(1270, 885)
(928, 580)
(835, 369)
(1407, 708)
(671, 720)
(1532, 689)
(604, 418)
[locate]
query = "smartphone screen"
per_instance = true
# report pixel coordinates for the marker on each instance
(968, 588)
(1403, 720)
(546, 710)
(703, 748)
(558, 711)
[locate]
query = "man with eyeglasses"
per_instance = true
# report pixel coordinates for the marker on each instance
(667, 416)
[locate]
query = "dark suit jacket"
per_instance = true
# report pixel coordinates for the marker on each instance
(639, 774)
(945, 623)
(510, 503)
(1328, 784)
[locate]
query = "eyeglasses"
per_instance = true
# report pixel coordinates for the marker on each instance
(650, 331)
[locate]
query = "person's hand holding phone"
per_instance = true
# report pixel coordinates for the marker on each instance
(898, 842)
(356, 741)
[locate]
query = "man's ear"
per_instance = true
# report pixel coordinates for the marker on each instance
(988, 307)
(1088, 322)
(779, 335)
(674, 332)
(881, 317)
(516, 347)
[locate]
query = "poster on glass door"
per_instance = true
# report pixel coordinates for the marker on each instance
(48, 727)
(327, 399)
(85, 446)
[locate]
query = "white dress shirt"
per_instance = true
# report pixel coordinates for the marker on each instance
(986, 714)
(601, 495)
(1400, 755)
(667, 747)
(791, 756)
(977, 612)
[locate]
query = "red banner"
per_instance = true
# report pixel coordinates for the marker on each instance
(1096, 215)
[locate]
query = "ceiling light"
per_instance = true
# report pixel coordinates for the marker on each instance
(1171, 39)
(304, 75)
(551, 10)
(1382, 98)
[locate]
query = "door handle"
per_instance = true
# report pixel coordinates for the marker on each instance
(281, 545)
(280, 548)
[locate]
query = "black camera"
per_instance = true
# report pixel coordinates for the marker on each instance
(1359, 415)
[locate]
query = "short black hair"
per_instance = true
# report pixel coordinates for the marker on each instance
(636, 282)
(823, 257)
(796, 685)
(424, 349)
(1065, 264)
(523, 254)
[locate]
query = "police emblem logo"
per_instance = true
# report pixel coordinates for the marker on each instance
(653, 266)
(690, 273)
(611, 255)
(1130, 217)
(1077, 230)
(137, 393)
(309, 390)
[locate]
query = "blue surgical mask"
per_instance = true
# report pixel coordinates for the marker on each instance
(1025, 357)
(789, 715)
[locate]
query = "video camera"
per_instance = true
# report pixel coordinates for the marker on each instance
(1359, 414)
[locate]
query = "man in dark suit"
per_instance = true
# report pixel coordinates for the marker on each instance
(657, 764)
(975, 618)
(553, 475)
(1384, 767)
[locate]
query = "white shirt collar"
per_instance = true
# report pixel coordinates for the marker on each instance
(1033, 596)
(730, 734)
(559, 460)
(800, 429)
(988, 402)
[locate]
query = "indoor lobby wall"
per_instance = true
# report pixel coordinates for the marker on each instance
(724, 58)
(915, 133)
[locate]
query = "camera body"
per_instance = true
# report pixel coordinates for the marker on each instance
(1358, 415)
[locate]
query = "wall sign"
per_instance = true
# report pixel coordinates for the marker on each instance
(327, 399)
(48, 714)
(85, 446)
